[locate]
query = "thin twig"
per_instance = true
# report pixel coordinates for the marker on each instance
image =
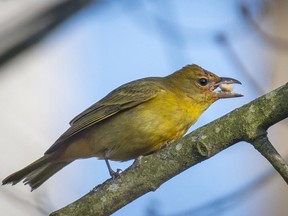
(263, 145)
(274, 41)
(25, 35)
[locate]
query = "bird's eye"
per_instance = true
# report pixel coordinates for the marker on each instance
(203, 81)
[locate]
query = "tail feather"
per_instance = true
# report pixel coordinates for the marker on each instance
(39, 176)
(36, 173)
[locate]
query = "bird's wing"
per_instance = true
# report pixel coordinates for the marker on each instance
(122, 98)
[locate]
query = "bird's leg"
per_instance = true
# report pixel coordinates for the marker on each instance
(112, 173)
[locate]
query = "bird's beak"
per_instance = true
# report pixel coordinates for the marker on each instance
(226, 88)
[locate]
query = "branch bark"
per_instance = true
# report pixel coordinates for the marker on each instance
(248, 123)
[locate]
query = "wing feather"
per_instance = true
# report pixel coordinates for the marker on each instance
(124, 97)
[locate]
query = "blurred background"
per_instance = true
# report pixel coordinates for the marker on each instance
(58, 57)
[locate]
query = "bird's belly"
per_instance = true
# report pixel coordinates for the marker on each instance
(135, 132)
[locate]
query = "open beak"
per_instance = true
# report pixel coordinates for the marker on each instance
(226, 88)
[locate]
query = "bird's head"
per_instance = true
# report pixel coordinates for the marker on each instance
(202, 85)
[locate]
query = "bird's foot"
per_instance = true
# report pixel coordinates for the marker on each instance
(115, 174)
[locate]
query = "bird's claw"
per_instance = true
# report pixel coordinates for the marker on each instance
(116, 174)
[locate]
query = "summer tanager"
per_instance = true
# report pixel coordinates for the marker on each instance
(137, 118)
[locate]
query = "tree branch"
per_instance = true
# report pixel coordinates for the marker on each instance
(31, 31)
(248, 123)
(263, 145)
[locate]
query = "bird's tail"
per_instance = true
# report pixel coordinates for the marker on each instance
(37, 172)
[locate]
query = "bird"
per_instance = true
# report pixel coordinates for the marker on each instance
(134, 120)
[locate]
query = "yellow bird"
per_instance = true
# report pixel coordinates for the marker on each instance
(137, 118)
